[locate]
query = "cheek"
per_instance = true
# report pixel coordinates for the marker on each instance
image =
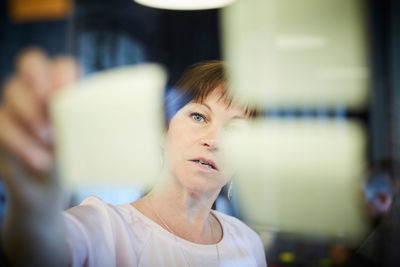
(227, 167)
(176, 143)
(181, 135)
(226, 174)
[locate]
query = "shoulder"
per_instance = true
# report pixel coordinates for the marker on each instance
(236, 226)
(93, 217)
(91, 227)
(242, 234)
(99, 233)
(92, 208)
(97, 215)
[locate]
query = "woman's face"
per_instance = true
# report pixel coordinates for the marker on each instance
(193, 155)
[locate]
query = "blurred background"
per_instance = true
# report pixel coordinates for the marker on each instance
(104, 34)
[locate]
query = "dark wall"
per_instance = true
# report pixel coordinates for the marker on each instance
(50, 35)
(174, 38)
(105, 33)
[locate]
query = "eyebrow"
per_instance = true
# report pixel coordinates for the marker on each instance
(207, 106)
(234, 117)
(203, 104)
(239, 117)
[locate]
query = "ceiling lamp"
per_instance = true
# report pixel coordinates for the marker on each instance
(185, 4)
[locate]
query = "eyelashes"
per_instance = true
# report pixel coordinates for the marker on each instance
(228, 125)
(198, 117)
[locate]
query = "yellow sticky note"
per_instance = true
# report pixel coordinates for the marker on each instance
(108, 128)
(300, 176)
(304, 53)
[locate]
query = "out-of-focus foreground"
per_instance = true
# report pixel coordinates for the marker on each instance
(316, 174)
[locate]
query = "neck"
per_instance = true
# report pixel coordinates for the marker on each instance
(186, 213)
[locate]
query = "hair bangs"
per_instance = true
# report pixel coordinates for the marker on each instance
(197, 83)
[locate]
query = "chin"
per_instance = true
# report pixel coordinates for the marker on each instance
(199, 185)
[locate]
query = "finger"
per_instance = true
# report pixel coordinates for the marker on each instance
(33, 154)
(65, 71)
(26, 107)
(33, 67)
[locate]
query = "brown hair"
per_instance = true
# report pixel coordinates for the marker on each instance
(201, 79)
(197, 83)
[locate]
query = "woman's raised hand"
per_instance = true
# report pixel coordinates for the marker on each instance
(33, 220)
(25, 128)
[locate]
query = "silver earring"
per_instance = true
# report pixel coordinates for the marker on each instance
(230, 190)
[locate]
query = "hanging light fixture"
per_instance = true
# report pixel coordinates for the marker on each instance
(185, 4)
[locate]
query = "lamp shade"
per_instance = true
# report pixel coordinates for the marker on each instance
(185, 4)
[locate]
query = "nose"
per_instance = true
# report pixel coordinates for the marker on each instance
(210, 140)
(210, 144)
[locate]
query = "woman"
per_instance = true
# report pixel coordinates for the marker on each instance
(171, 226)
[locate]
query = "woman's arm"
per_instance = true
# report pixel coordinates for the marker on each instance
(33, 230)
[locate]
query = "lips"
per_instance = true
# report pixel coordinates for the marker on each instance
(206, 163)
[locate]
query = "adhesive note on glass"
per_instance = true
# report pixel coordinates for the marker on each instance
(108, 128)
(286, 53)
(300, 176)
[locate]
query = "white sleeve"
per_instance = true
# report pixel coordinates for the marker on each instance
(260, 252)
(89, 234)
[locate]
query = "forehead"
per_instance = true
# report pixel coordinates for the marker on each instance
(221, 100)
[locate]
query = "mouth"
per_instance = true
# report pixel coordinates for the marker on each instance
(206, 163)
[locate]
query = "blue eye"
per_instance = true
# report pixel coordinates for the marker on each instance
(197, 117)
